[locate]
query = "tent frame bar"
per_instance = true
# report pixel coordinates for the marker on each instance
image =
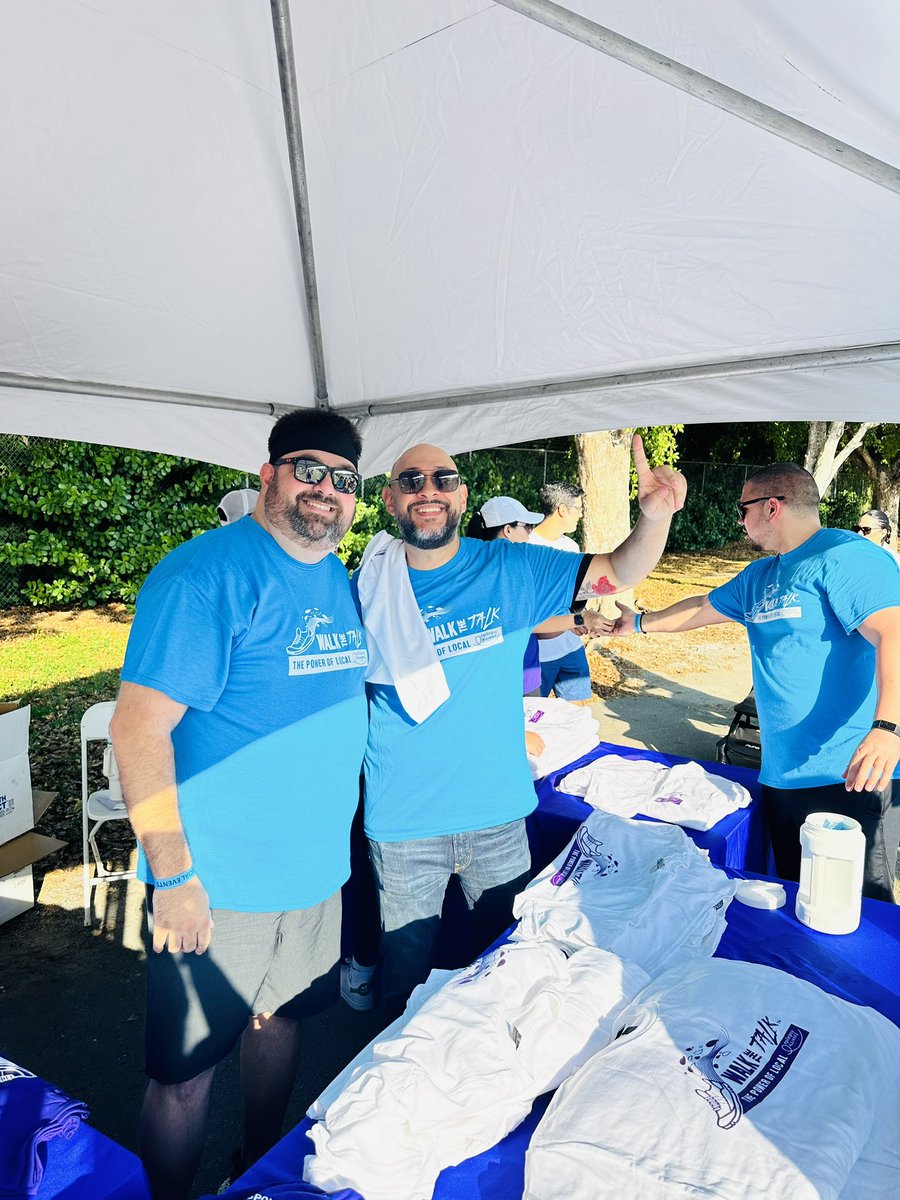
(287, 75)
(702, 87)
(117, 391)
(421, 402)
(725, 369)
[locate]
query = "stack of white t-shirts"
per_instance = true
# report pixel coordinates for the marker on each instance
(684, 794)
(568, 732)
(463, 1065)
(732, 1080)
(643, 891)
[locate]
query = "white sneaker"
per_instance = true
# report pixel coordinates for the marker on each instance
(356, 985)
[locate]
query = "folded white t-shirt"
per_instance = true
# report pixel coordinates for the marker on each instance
(463, 1066)
(735, 1081)
(684, 794)
(569, 731)
(641, 890)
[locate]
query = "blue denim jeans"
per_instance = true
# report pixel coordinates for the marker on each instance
(493, 865)
(569, 677)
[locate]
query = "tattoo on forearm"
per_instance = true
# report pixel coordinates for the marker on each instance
(601, 588)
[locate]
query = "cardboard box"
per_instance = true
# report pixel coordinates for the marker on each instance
(16, 894)
(17, 858)
(16, 816)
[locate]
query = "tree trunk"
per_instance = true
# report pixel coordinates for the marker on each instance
(823, 460)
(604, 466)
(886, 477)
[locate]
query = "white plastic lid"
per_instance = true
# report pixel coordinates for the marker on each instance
(757, 893)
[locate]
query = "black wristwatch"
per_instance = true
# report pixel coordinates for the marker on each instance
(579, 621)
(888, 725)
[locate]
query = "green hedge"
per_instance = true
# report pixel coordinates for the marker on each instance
(84, 524)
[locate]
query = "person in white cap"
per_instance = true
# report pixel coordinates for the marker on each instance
(508, 518)
(236, 504)
(447, 785)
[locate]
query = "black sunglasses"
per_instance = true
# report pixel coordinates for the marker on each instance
(864, 529)
(743, 505)
(413, 481)
(307, 470)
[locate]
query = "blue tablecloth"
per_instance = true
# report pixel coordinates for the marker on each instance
(739, 841)
(90, 1166)
(860, 967)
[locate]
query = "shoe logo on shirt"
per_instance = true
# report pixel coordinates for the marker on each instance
(9, 1071)
(749, 1077)
(431, 612)
(482, 967)
(587, 857)
(774, 607)
(314, 649)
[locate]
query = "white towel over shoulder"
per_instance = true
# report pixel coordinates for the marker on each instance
(401, 652)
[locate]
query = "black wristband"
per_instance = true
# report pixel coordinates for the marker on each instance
(888, 725)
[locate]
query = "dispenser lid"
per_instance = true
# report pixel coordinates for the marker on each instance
(759, 893)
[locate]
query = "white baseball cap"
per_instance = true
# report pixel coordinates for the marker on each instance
(503, 510)
(235, 505)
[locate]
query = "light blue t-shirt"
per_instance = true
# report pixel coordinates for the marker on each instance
(813, 674)
(269, 656)
(464, 767)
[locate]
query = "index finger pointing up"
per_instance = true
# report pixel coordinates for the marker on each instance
(640, 458)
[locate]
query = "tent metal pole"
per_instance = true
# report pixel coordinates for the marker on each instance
(116, 391)
(284, 47)
(543, 389)
(702, 87)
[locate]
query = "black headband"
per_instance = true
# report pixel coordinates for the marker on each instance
(330, 441)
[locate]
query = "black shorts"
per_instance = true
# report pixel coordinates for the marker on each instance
(198, 1005)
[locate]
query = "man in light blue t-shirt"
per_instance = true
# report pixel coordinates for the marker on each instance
(239, 734)
(822, 613)
(448, 794)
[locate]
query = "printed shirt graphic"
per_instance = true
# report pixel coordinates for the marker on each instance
(269, 656)
(814, 676)
(464, 767)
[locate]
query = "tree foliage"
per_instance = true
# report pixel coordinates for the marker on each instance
(85, 523)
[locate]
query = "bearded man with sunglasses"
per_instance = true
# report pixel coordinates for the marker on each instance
(448, 793)
(822, 614)
(239, 734)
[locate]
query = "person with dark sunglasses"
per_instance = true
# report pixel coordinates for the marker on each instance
(822, 614)
(239, 733)
(875, 526)
(447, 784)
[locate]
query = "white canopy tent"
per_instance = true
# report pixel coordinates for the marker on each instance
(514, 223)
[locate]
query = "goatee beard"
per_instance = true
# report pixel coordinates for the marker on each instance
(429, 539)
(308, 529)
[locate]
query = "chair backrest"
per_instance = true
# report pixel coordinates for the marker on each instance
(95, 722)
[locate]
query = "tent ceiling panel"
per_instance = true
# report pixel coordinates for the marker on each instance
(520, 228)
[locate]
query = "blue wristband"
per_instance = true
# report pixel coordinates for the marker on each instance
(175, 880)
(638, 626)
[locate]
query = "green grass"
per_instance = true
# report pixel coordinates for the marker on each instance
(61, 663)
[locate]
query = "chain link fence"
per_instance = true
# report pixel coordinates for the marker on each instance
(14, 451)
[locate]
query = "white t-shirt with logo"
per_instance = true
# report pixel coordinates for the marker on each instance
(731, 1080)
(463, 1066)
(641, 890)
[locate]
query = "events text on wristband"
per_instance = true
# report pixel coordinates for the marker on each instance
(175, 880)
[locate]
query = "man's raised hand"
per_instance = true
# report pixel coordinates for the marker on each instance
(661, 490)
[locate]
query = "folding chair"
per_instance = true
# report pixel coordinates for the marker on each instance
(97, 807)
(741, 746)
